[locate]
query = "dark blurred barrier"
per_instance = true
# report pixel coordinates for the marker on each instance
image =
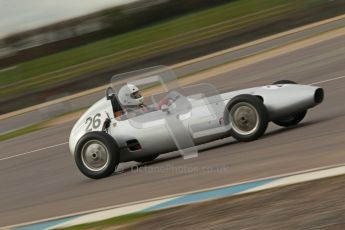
(111, 22)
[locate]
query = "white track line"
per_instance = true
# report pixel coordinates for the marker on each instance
(332, 79)
(33, 151)
(53, 146)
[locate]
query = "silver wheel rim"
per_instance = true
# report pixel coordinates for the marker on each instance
(95, 155)
(244, 118)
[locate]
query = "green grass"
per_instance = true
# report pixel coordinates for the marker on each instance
(141, 43)
(20, 132)
(121, 220)
(36, 127)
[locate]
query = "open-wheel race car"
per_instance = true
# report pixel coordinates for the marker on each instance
(126, 126)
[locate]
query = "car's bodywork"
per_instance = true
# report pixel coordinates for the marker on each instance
(203, 118)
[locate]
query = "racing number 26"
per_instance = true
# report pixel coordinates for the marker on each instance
(95, 122)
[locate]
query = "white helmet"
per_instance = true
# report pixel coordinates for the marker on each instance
(129, 95)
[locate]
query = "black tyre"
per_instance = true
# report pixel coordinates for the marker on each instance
(281, 82)
(96, 155)
(291, 120)
(247, 116)
(147, 159)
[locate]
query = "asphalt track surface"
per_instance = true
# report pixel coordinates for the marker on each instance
(38, 115)
(47, 183)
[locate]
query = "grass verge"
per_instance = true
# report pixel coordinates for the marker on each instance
(69, 116)
(22, 131)
(116, 221)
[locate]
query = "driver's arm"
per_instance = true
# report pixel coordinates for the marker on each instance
(168, 100)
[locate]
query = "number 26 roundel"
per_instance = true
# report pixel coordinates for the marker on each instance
(93, 123)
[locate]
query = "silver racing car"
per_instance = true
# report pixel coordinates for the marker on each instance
(145, 114)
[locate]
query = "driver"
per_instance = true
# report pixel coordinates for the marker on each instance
(133, 101)
(131, 98)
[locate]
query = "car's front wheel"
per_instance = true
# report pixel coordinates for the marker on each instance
(96, 155)
(247, 117)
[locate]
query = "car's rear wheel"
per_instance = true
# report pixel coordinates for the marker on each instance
(292, 119)
(247, 117)
(147, 159)
(96, 155)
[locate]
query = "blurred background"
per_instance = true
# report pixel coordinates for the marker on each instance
(50, 49)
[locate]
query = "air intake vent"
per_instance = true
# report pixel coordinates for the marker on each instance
(133, 145)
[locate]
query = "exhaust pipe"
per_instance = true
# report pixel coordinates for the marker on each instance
(319, 96)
